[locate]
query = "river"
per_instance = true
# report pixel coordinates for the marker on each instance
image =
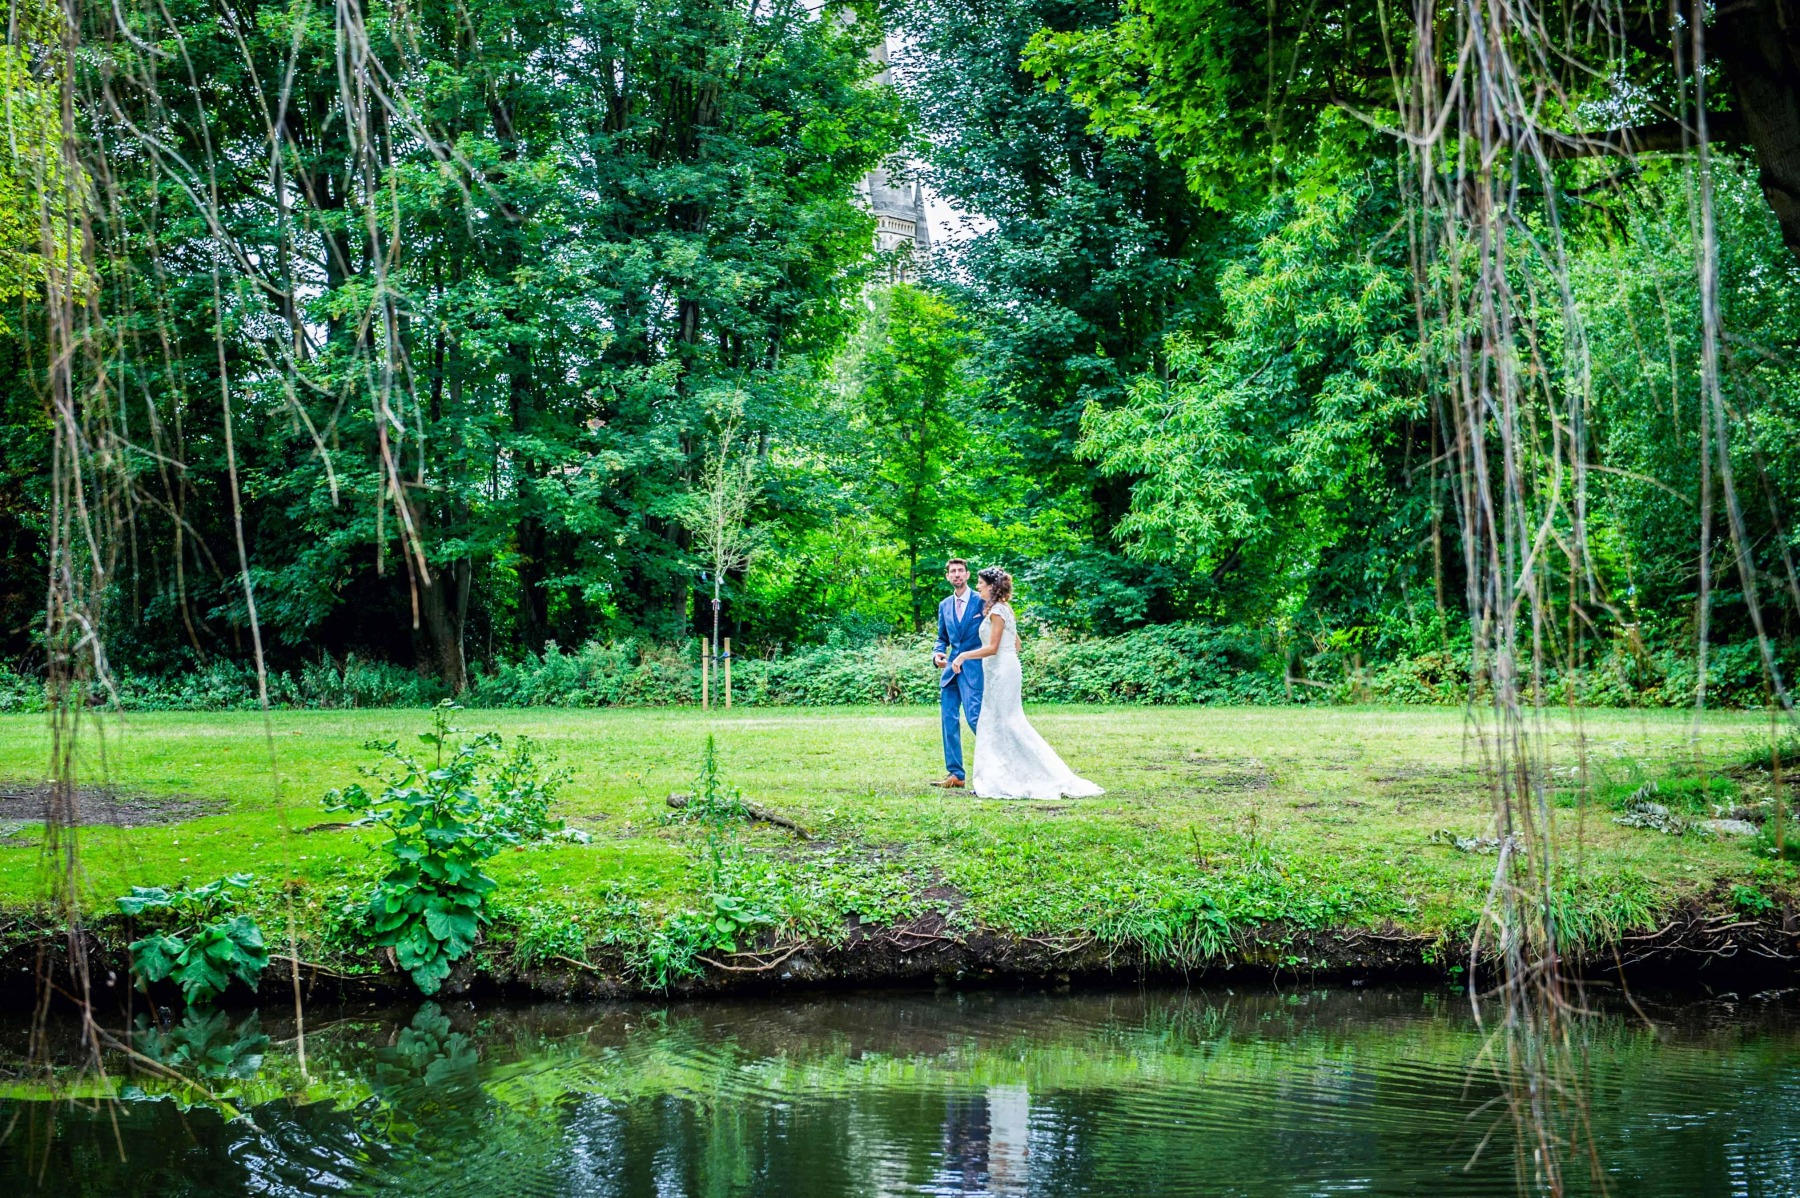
(1304, 1092)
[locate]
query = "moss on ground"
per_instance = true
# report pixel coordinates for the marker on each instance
(1215, 821)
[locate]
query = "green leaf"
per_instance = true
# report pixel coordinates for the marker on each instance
(451, 925)
(245, 932)
(428, 977)
(143, 898)
(201, 981)
(154, 957)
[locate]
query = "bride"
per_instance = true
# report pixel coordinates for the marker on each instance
(1011, 760)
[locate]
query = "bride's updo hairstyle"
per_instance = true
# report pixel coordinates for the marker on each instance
(1001, 583)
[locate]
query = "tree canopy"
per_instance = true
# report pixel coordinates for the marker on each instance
(441, 304)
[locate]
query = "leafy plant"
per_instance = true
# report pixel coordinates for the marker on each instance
(444, 820)
(734, 917)
(1750, 900)
(713, 803)
(521, 794)
(738, 904)
(204, 948)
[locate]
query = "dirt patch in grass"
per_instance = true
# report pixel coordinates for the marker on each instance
(23, 803)
(1429, 784)
(1231, 782)
(1228, 775)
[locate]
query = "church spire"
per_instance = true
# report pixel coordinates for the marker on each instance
(902, 232)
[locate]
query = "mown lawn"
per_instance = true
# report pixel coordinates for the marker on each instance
(1319, 817)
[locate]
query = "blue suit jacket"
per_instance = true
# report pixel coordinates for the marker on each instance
(960, 636)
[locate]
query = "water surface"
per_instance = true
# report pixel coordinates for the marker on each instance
(1162, 1093)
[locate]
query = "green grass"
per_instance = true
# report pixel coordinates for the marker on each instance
(1215, 819)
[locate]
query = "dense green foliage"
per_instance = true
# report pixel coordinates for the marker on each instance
(203, 947)
(1173, 370)
(502, 324)
(1160, 664)
(1090, 251)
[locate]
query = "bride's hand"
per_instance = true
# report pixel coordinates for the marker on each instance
(956, 664)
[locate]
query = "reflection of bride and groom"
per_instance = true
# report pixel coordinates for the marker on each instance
(978, 651)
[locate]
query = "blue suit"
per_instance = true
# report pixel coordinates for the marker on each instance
(959, 694)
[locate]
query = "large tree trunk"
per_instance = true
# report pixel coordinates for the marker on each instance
(534, 613)
(1757, 42)
(443, 608)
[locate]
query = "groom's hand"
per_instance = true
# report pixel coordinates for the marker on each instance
(939, 660)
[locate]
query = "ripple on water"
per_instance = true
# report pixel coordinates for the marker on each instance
(1128, 1094)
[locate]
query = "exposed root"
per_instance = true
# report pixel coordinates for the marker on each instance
(315, 967)
(761, 966)
(577, 963)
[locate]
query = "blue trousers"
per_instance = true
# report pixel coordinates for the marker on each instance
(958, 700)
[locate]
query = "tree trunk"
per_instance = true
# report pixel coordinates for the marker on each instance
(717, 583)
(443, 607)
(1757, 42)
(534, 612)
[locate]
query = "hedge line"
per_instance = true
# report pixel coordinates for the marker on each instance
(1186, 663)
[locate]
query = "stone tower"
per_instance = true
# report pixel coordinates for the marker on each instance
(902, 232)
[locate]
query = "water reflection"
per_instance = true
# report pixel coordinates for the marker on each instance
(971, 1094)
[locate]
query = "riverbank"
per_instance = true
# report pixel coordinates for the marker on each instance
(1293, 842)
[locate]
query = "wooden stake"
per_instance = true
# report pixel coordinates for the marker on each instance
(705, 677)
(727, 673)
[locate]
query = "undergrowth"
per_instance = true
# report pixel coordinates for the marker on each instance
(444, 822)
(1187, 663)
(197, 939)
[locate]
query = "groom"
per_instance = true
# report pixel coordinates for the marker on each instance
(959, 694)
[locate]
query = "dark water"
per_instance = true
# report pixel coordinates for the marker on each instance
(1192, 1093)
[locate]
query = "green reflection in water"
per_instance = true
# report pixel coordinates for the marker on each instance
(1159, 1093)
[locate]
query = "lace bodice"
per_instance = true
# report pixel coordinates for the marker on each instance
(1009, 628)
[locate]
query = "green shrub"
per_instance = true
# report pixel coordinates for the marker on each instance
(202, 947)
(1750, 900)
(443, 822)
(1391, 660)
(20, 692)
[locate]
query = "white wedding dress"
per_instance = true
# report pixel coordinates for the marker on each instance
(1011, 760)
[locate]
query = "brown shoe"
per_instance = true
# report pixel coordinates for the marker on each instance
(951, 782)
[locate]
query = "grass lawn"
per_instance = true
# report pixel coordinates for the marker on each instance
(1214, 819)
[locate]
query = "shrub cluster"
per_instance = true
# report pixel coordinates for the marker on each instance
(222, 685)
(1164, 664)
(196, 940)
(445, 819)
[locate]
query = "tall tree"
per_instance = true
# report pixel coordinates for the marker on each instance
(1276, 455)
(905, 382)
(1085, 252)
(469, 275)
(1231, 88)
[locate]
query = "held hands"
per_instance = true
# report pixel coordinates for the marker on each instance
(957, 663)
